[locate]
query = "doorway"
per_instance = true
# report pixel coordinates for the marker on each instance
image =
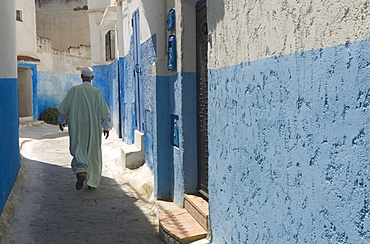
(139, 111)
(202, 96)
(24, 92)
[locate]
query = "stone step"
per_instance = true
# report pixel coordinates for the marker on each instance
(179, 226)
(198, 208)
(133, 156)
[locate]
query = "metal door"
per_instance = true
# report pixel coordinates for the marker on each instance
(139, 111)
(202, 97)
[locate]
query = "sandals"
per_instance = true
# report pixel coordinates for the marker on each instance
(80, 182)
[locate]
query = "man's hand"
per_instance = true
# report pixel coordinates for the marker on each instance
(106, 134)
(61, 126)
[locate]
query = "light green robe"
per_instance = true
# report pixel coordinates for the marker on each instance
(85, 107)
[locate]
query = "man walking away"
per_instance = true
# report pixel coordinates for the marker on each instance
(87, 113)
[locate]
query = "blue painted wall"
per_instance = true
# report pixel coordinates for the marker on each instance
(50, 88)
(183, 96)
(106, 79)
(289, 148)
(163, 150)
(164, 96)
(175, 167)
(148, 57)
(126, 68)
(9, 145)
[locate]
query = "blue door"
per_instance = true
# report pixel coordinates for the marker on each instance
(139, 106)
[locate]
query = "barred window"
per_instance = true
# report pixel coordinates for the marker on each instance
(110, 48)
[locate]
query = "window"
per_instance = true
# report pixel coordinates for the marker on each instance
(18, 14)
(110, 49)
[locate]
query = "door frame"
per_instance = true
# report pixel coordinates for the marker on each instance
(202, 97)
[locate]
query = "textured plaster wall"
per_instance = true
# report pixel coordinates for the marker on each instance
(268, 28)
(50, 89)
(183, 97)
(289, 148)
(175, 167)
(106, 79)
(288, 121)
(148, 55)
(9, 145)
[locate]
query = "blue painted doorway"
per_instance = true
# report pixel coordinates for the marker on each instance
(139, 106)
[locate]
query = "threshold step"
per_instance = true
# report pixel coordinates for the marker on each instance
(179, 226)
(198, 208)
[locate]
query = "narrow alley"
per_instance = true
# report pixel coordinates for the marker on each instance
(45, 207)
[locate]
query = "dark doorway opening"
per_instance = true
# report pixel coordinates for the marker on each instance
(202, 97)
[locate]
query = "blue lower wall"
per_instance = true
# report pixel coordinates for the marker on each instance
(9, 143)
(127, 86)
(175, 166)
(50, 89)
(163, 97)
(183, 94)
(289, 148)
(106, 79)
(163, 150)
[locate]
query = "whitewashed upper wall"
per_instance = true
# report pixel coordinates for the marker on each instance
(249, 30)
(26, 29)
(100, 5)
(185, 35)
(68, 61)
(8, 60)
(66, 23)
(148, 10)
(96, 42)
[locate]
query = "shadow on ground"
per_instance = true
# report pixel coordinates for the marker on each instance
(45, 207)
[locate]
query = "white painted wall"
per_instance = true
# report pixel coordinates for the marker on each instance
(66, 23)
(97, 14)
(70, 61)
(97, 43)
(185, 35)
(148, 19)
(160, 64)
(26, 29)
(148, 15)
(8, 60)
(119, 35)
(128, 10)
(249, 30)
(99, 5)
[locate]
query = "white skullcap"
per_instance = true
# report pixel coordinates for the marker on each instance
(87, 71)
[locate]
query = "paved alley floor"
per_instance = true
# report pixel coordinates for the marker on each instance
(45, 206)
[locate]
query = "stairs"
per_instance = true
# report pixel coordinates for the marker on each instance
(184, 225)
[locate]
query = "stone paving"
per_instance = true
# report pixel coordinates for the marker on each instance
(45, 207)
